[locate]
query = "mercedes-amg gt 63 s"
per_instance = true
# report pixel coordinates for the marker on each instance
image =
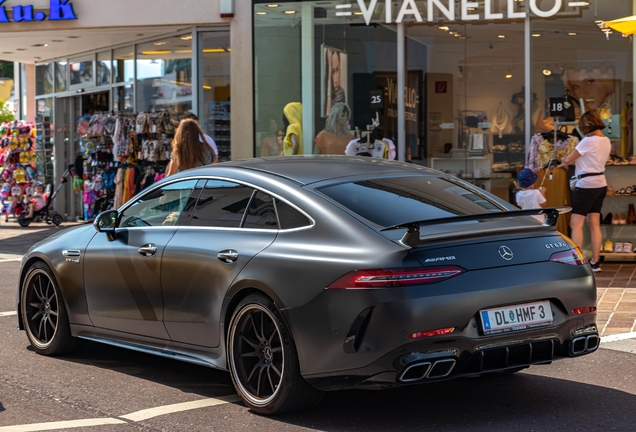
(301, 275)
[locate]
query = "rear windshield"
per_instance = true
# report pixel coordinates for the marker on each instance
(394, 201)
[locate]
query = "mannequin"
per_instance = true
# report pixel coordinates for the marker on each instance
(335, 137)
(293, 121)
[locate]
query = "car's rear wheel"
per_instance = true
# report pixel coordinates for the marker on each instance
(263, 362)
(43, 313)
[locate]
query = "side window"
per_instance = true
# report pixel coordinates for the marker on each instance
(261, 213)
(221, 204)
(289, 217)
(161, 207)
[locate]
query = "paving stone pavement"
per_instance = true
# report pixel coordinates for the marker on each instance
(616, 282)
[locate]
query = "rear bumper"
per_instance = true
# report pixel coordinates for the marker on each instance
(449, 358)
(349, 338)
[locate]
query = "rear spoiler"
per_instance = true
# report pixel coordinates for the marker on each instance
(412, 237)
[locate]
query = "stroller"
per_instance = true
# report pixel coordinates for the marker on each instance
(46, 213)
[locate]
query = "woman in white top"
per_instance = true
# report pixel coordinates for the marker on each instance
(590, 156)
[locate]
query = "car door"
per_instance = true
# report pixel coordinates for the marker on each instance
(122, 275)
(201, 261)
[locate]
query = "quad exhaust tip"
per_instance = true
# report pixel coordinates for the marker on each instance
(584, 344)
(427, 370)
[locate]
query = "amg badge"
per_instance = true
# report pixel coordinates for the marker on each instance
(448, 258)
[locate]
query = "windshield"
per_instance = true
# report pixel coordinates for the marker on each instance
(394, 201)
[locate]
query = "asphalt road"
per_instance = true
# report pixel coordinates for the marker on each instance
(102, 388)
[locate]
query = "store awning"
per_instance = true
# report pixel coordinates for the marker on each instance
(626, 25)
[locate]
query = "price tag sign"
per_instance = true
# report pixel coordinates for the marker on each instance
(559, 107)
(377, 99)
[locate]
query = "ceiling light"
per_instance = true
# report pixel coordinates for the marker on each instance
(213, 50)
(501, 36)
(74, 37)
(572, 34)
(536, 34)
(471, 8)
(20, 49)
(206, 87)
(160, 43)
(547, 72)
(289, 12)
(183, 51)
(357, 13)
(261, 13)
(157, 52)
(509, 76)
(445, 28)
(188, 37)
(272, 5)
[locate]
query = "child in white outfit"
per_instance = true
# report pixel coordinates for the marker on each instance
(529, 197)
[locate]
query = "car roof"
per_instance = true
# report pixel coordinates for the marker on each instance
(309, 169)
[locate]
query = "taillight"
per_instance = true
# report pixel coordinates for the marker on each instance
(572, 257)
(584, 310)
(395, 277)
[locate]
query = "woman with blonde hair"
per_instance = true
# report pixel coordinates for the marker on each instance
(590, 156)
(188, 148)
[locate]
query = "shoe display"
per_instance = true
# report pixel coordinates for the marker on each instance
(631, 215)
(622, 219)
(608, 246)
(618, 247)
(627, 247)
(615, 219)
(607, 220)
(596, 267)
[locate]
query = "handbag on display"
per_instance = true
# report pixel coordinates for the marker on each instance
(612, 121)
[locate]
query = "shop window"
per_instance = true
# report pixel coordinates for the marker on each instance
(61, 76)
(103, 69)
(45, 140)
(214, 79)
(221, 204)
(82, 73)
(44, 79)
(349, 62)
(123, 98)
(124, 64)
(164, 75)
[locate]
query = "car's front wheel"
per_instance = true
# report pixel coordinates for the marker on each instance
(43, 313)
(263, 362)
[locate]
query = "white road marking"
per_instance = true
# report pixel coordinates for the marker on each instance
(3, 314)
(134, 417)
(61, 425)
(618, 337)
(185, 406)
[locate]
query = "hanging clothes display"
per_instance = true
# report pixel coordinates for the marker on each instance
(555, 181)
(122, 154)
(542, 149)
(500, 120)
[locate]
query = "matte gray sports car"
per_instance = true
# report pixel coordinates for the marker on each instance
(305, 274)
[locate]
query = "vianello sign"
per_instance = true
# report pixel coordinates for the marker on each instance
(465, 11)
(59, 10)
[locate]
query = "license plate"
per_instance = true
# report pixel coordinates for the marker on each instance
(516, 317)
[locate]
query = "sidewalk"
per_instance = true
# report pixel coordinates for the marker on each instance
(616, 282)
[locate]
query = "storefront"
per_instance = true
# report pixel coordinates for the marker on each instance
(83, 58)
(460, 86)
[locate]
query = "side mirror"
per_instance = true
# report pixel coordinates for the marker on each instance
(106, 222)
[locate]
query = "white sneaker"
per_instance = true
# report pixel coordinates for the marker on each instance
(618, 247)
(627, 247)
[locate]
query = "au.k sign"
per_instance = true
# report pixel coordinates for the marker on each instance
(465, 10)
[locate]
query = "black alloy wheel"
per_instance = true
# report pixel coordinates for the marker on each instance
(43, 312)
(263, 361)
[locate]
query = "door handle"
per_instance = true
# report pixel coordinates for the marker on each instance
(148, 249)
(228, 256)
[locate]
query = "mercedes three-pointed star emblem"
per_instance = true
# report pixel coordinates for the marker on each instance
(506, 253)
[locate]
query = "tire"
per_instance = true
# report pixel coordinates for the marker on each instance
(57, 219)
(24, 222)
(44, 314)
(263, 361)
